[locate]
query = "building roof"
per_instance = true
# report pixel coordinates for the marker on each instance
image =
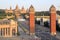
(4, 21)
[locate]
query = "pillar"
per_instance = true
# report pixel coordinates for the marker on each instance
(10, 32)
(32, 20)
(16, 26)
(53, 20)
(5, 31)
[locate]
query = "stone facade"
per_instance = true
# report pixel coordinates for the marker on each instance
(22, 10)
(8, 28)
(9, 11)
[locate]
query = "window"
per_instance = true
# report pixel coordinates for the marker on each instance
(13, 32)
(4, 31)
(1, 31)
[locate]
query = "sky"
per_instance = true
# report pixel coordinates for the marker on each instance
(39, 5)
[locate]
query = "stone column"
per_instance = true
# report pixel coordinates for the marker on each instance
(10, 31)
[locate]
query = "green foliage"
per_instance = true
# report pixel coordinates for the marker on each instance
(45, 13)
(9, 14)
(2, 15)
(38, 14)
(12, 18)
(58, 12)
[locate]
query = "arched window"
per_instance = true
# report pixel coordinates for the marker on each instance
(13, 32)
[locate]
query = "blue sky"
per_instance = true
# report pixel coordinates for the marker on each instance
(39, 5)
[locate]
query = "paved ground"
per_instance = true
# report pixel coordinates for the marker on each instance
(44, 33)
(23, 29)
(41, 32)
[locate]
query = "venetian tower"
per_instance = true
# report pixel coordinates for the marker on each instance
(53, 20)
(32, 20)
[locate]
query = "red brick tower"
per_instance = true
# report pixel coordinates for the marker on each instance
(32, 20)
(53, 20)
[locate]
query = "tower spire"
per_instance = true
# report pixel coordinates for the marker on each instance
(17, 6)
(10, 8)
